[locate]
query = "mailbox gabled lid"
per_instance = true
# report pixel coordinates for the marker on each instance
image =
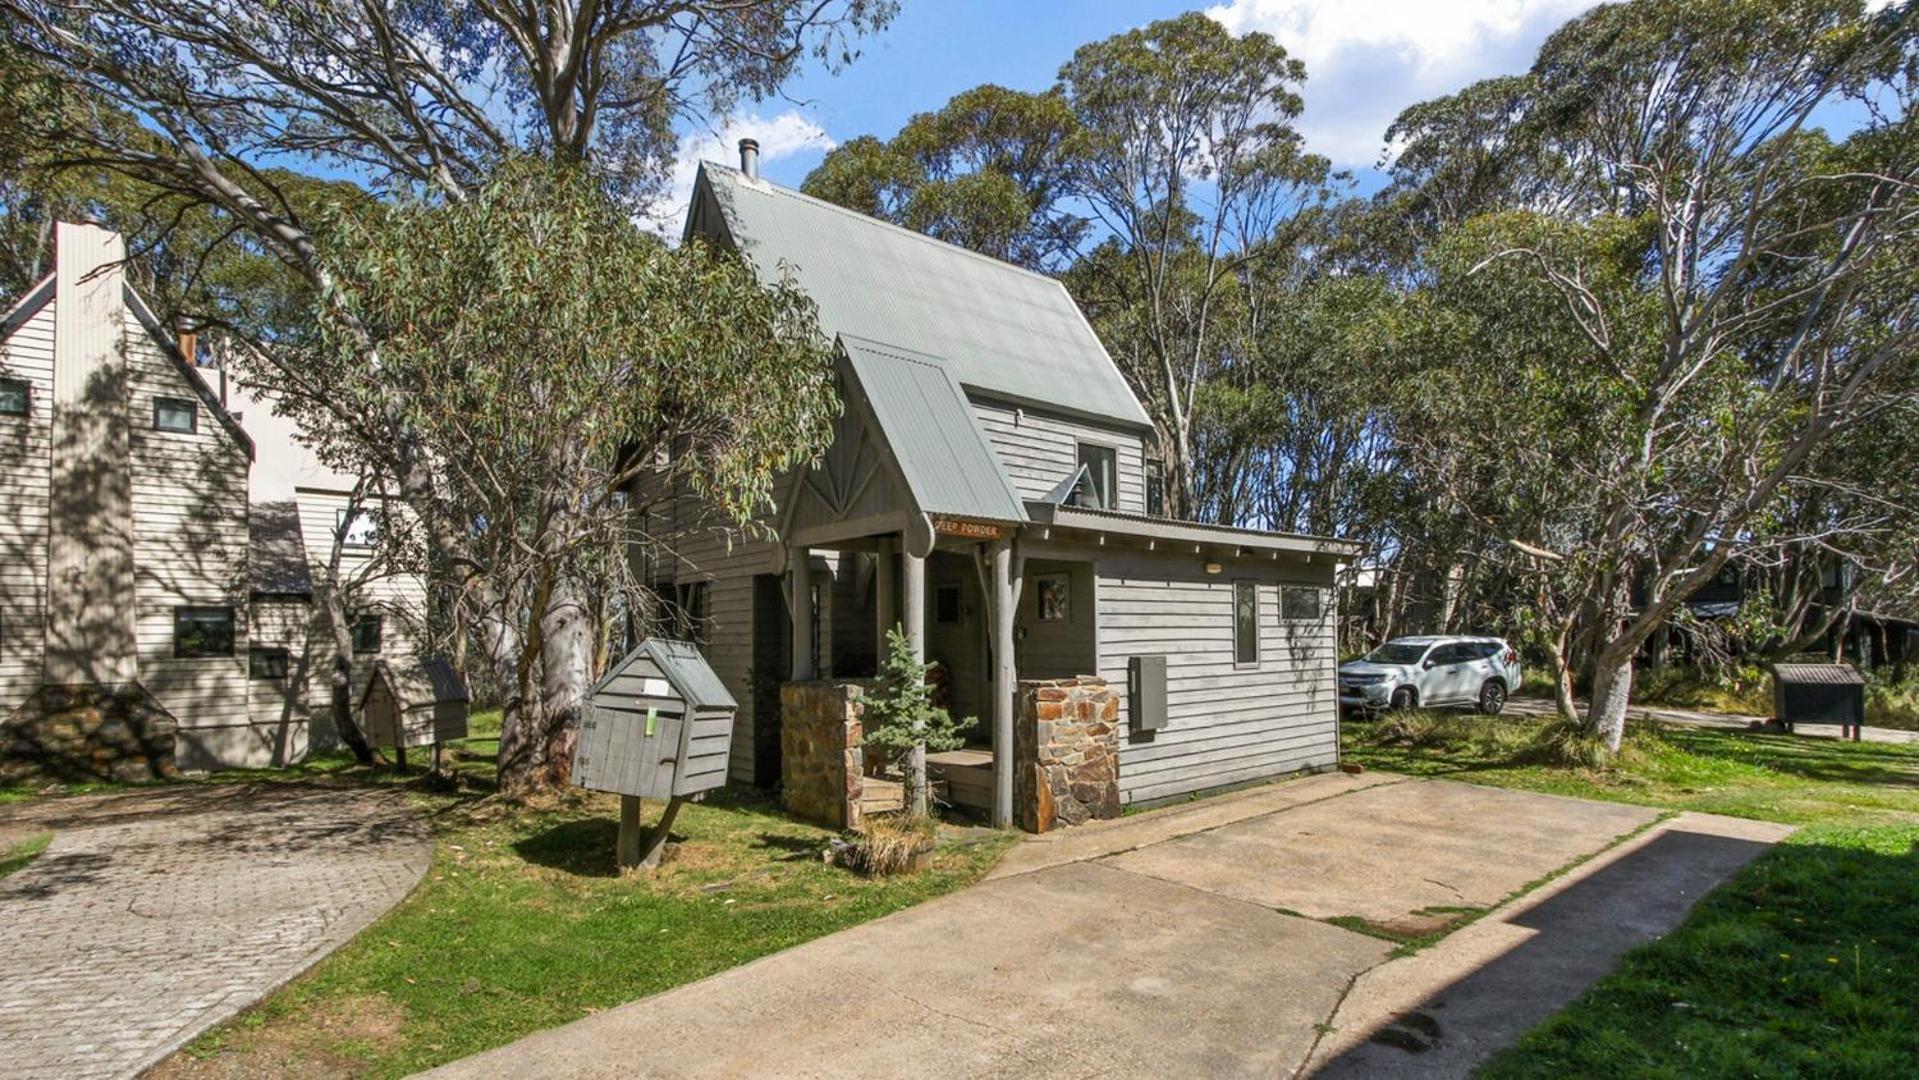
(692, 677)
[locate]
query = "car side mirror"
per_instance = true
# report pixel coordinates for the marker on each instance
(1429, 664)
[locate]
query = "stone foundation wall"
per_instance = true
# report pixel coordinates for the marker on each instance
(88, 732)
(821, 762)
(1065, 753)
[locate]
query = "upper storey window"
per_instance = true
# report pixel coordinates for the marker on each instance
(1100, 465)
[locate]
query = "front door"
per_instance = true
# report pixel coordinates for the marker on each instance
(772, 665)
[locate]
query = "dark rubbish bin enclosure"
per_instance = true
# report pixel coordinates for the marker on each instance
(659, 725)
(1819, 694)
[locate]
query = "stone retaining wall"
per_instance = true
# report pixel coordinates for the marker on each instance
(1065, 753)
(821, 762)
(88, 732)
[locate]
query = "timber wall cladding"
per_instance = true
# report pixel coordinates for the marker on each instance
(1039, 450)
(190, 548)
(1226, 723)
(26, 354)
(401, 598)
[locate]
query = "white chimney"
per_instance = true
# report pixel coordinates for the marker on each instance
(89, 622)
(750, 157)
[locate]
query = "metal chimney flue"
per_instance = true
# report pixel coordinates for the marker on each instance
(750, 157)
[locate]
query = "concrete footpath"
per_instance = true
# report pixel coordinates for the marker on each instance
(1216, 937)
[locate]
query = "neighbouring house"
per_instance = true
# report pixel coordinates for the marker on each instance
(155, 613)
(988, 490)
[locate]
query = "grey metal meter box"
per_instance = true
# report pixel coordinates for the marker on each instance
(420, 702)
(659, 725)
(1146, 692)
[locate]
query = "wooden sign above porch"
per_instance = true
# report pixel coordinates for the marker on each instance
(971, 530)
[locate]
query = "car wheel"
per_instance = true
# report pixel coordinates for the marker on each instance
(1404, 699)
(1492, 697)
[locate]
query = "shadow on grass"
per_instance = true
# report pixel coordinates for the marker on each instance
(1808, 758)
(587, 847)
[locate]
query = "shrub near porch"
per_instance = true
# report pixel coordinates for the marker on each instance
(523, 923)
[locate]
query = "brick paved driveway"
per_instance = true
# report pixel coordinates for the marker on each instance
(156, 914)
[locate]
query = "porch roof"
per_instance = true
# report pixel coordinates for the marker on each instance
(942, 453)
(1165, 530)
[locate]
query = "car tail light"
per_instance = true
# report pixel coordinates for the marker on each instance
(1512, 656)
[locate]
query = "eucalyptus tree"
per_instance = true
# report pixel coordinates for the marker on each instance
(423, 99)
(988, 171)
(1748, 306)
(1190, 164)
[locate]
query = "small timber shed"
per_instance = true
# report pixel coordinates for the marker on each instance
(421, 702)
(659, 725)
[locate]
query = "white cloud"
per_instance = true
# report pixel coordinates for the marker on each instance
(786, 135)
(1368, 59)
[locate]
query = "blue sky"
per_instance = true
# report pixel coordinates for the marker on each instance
(1366, 60)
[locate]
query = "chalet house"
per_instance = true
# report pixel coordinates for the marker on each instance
(153, 616)
(988, 491)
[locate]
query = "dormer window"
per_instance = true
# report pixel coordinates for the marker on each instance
(176, 415)
(1100, 465)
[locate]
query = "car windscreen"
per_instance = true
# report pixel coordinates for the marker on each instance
(1396, 652)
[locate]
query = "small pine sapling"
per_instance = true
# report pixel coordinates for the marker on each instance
(902, 720)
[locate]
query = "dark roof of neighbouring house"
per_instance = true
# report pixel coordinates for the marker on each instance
(1001, 330)
(276, 552)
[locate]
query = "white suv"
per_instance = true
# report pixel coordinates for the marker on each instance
(1428, 672)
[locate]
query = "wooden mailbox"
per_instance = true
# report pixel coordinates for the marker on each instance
(420, 702)
(659, 725)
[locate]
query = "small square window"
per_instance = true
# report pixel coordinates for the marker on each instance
(946, 604)
(16, 397)
(1299, 604)
(202, 631)
(360, 532)
(175, 414)
(368, 631)
(1245, 623)
(268, 663)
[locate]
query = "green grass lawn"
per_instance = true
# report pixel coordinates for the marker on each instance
(1805, 963)
(523, 923)
(1788, 778)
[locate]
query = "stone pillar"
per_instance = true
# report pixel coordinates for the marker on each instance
(799, 578)
(822, 766)
(1065, 753)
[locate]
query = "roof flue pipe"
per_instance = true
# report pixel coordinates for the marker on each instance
(750, 157)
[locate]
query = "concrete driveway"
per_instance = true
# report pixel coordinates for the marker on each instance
(1240, 935)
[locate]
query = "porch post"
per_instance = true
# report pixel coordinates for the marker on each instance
(799, 576)
(913, 607)
(1005, 671)
(883, 591)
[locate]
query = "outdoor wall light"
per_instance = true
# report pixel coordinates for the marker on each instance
(1213, 568)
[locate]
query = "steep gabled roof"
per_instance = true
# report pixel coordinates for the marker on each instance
(942, 453)
(1003, 331)
(276, 550)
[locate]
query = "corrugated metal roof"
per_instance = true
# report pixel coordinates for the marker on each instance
(684, 666)
(276, 552)
(948, 464)
(1003, 330)
(1823, 674)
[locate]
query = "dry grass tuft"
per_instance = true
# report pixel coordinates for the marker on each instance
(892, 843)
